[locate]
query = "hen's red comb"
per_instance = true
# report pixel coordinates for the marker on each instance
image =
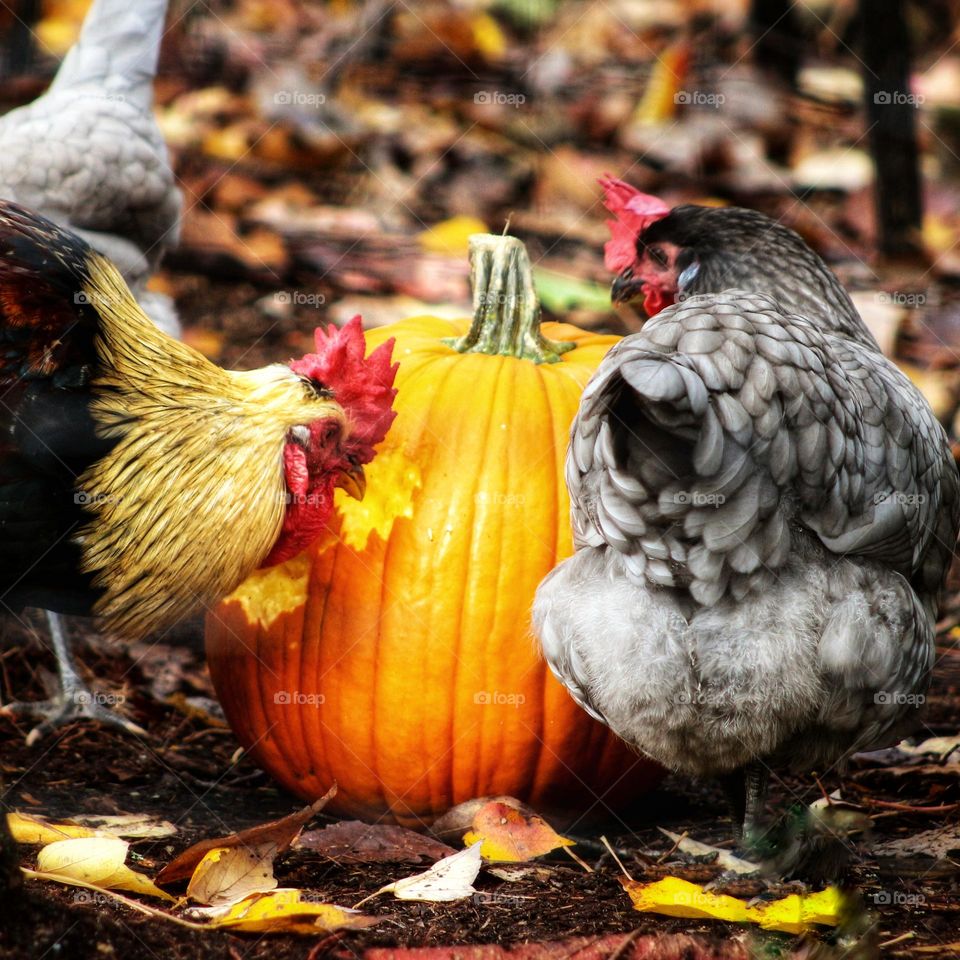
(634, 212)
(363, 386)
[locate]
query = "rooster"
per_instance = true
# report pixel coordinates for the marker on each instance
(764, 511)
(140, 483)
(89, 155)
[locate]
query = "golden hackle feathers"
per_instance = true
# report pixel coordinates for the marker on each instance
(192, 496)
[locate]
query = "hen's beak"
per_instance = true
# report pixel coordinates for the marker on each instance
(354, 481)
(626, 287)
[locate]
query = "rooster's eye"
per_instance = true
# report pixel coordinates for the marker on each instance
(320, 389)
(658, 256)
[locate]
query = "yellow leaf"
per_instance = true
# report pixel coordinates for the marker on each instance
(511, 835)
(286, 911)
(663, 91)
(489, 39)
(451, 236)
(230, 874)
(27, 829)
(674, 897)
(95, 860)
(796, 913)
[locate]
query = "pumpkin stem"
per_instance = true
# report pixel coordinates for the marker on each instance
(506, 311)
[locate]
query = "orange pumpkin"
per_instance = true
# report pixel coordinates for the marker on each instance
(395, 656)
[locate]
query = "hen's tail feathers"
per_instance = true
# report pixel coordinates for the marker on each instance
(117, 51)
(55, 292)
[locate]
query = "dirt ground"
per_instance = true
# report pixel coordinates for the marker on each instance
(188, 772)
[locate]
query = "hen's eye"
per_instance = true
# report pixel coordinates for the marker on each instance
(658, 256)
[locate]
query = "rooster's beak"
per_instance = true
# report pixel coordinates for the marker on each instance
(626, 287)
(354, 481)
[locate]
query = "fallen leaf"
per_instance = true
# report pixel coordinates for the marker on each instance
(448, 879)
(724, 858)
(511, 835)
(451, 236)
(626, 945)
(136, 825)
(95, 860)
(268, 839)
(284, 911)
(353, 841)
(940, 843)
(795, 914)
(28, 829)
(227, 875)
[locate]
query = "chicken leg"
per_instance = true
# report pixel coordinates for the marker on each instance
(74, 700)
(746, 791)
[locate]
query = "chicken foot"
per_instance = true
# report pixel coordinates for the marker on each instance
(74, 700)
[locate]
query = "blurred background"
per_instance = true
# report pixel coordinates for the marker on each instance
(335, 156)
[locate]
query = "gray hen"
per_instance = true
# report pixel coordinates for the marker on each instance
(764, 510)
(89, 155)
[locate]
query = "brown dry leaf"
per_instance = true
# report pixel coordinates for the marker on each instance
(941, 843)
(353, 841)
(95, 860)
(509, 830)
(268, 839)
(285, 911)
(227, 875)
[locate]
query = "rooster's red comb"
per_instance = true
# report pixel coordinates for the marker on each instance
(363, 386)
(634, 212)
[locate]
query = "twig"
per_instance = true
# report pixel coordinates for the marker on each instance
(683, 836)
(909, 808)
(583, 863)
(909, 935)
(616, 859)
